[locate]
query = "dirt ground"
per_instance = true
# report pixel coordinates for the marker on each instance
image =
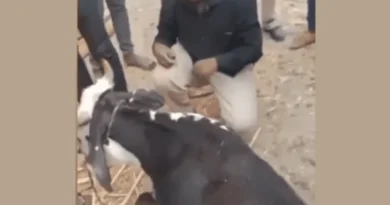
(286, 91)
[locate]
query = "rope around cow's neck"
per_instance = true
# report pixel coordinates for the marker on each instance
(116, 108)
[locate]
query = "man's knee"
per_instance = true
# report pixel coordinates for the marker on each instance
(244, 124)
(177, 76)
(242, 118)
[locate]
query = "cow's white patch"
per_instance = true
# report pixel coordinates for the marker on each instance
(116, 154)
(90, 96)
(224, 127)
(175, 116)
(196, 116)
(213, 121)
(152, 114)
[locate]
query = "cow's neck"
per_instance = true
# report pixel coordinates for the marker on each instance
(155, 144)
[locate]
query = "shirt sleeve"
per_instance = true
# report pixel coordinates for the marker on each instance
(167, 26)
(247, 37)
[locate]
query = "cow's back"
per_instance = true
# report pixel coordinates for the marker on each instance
(247, 179)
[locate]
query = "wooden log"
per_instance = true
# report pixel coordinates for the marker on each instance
(82, 45)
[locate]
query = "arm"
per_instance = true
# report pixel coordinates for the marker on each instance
(248, 34)
(167, 26)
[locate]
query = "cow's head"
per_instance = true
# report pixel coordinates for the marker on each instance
(110, 108)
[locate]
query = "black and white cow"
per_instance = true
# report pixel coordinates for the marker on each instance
(190, 159)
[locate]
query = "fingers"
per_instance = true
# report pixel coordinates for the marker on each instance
(171, 55)
(170, 58)
(164, 55)
(165, 61)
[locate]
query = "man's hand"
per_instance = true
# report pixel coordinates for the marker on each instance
(203, 70)
(164, 55)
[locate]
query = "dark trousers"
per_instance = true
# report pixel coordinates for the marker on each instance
(120, 19)
(92, 29)
(311, 15)
(83, 77)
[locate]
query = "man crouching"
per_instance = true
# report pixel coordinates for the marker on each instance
(211, 41)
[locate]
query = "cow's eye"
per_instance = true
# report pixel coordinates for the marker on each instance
(87, 137)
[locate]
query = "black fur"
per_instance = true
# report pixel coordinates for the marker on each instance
(190, 162)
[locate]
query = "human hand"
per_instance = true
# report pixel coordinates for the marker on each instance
(164, 55)
(203, 70)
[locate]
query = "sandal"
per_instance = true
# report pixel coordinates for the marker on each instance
(208, 107)
(200, 92)
(178, 95)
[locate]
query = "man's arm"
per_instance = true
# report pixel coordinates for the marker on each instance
(167, 26)
(248, 34)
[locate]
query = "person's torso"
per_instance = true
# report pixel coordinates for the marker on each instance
(206, 34)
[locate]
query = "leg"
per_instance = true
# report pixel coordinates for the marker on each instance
(308, 37)
(91, 27)
(270, 22)
(101, 8)
(173, 81)
(121, 24)
(120, 20)
(311, 15)
(238, 100)
(267, 10)
(96, 66)
(83, 77)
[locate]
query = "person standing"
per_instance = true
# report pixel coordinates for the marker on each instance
(120, 20)
(91, 27)
(211, 41)
(307, 37)
(270, 21)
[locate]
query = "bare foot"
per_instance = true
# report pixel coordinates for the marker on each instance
(133, 59)
(304, 39)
